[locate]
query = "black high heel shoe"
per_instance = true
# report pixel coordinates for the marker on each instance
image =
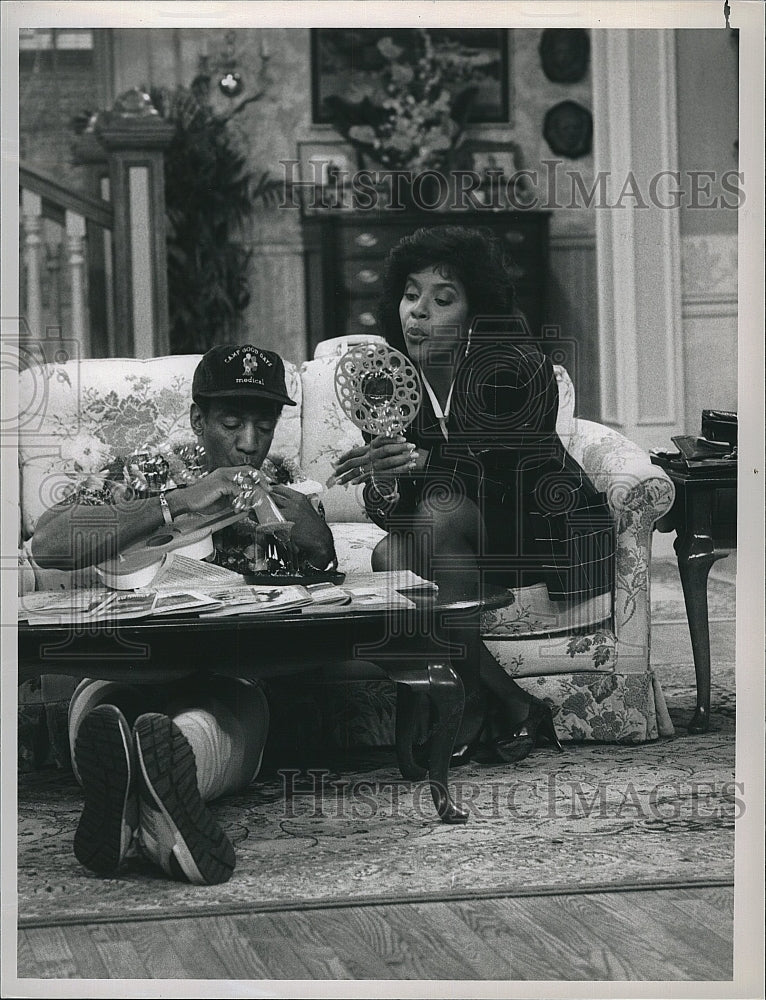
(535, 731)
(493, 744)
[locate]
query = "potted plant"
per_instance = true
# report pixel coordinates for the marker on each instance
(210, 195)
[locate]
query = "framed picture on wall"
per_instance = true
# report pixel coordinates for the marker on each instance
(350, 63)
(505, 156)
(327, 165)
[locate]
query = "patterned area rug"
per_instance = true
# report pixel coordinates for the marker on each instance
(593, 817)
(667, 600)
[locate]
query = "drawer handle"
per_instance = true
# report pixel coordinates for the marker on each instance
(514, 237)
(366, 240)
(367, 319)
(367, 276)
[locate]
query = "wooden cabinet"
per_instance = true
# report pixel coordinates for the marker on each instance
(345, 254)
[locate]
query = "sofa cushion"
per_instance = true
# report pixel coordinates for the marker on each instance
(354, 543)
(78, 416)
(532, 612)
(327, 433)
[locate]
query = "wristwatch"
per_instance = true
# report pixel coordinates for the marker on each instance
(165, 508)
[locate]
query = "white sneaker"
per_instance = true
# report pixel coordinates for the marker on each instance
(176, 829)
(105, 763)
(87, 695)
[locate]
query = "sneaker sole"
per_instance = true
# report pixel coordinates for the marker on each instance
(103, 751)
(201, 853)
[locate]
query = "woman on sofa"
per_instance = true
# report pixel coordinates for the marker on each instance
(481, 488)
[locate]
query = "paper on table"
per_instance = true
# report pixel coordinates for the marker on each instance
(171, 602)
(390, 580)
(182, 571)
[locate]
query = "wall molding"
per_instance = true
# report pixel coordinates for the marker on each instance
(709, 267)
(710, 307)
(572, 241)
(639, 289)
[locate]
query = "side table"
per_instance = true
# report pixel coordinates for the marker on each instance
(704, 517)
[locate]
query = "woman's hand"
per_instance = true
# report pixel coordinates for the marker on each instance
(383, 459)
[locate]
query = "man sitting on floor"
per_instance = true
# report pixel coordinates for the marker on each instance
(150, 756)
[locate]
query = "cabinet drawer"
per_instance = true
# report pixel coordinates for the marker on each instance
(362, 318)
(366, 241)
(362, 276)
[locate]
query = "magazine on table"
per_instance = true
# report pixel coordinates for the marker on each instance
(83, 606)
(351, 597)
(61, 605)
(55, 609)
(248, 599)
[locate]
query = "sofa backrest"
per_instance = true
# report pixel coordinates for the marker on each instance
(77, 416)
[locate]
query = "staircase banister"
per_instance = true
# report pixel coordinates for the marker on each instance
(50, 189)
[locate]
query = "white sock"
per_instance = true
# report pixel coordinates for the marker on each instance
(214, 749)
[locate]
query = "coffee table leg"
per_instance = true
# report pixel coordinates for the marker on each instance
(406, 718)
(445, 692)
(696, 554)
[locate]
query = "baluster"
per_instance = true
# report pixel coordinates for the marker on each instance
(32, 210)
(108, 277)
(75, 237)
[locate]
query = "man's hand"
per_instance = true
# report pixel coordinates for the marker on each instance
(310, 533)
(212, 492)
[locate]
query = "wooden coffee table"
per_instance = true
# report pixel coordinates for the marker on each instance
(411, 647)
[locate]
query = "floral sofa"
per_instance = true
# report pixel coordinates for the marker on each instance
(590, 661)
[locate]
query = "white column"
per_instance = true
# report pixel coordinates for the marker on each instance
(141, 263)
(75, 256)
(31, 212)
(638, 243)
(108, 276)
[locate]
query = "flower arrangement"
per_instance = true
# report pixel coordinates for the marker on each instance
(417, 124)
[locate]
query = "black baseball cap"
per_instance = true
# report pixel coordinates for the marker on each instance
(232, 370)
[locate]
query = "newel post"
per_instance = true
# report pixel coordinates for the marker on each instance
(134, 137)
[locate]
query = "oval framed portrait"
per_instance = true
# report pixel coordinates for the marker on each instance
(568, 130)
(565, 53)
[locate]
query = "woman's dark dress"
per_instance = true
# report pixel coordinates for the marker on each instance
(544, 519)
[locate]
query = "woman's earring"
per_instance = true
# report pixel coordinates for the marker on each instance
(467, 345)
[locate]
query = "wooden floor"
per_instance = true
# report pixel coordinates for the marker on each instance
(661, 934)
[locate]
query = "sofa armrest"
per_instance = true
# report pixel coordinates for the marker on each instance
(624, 471)
(638, 494)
